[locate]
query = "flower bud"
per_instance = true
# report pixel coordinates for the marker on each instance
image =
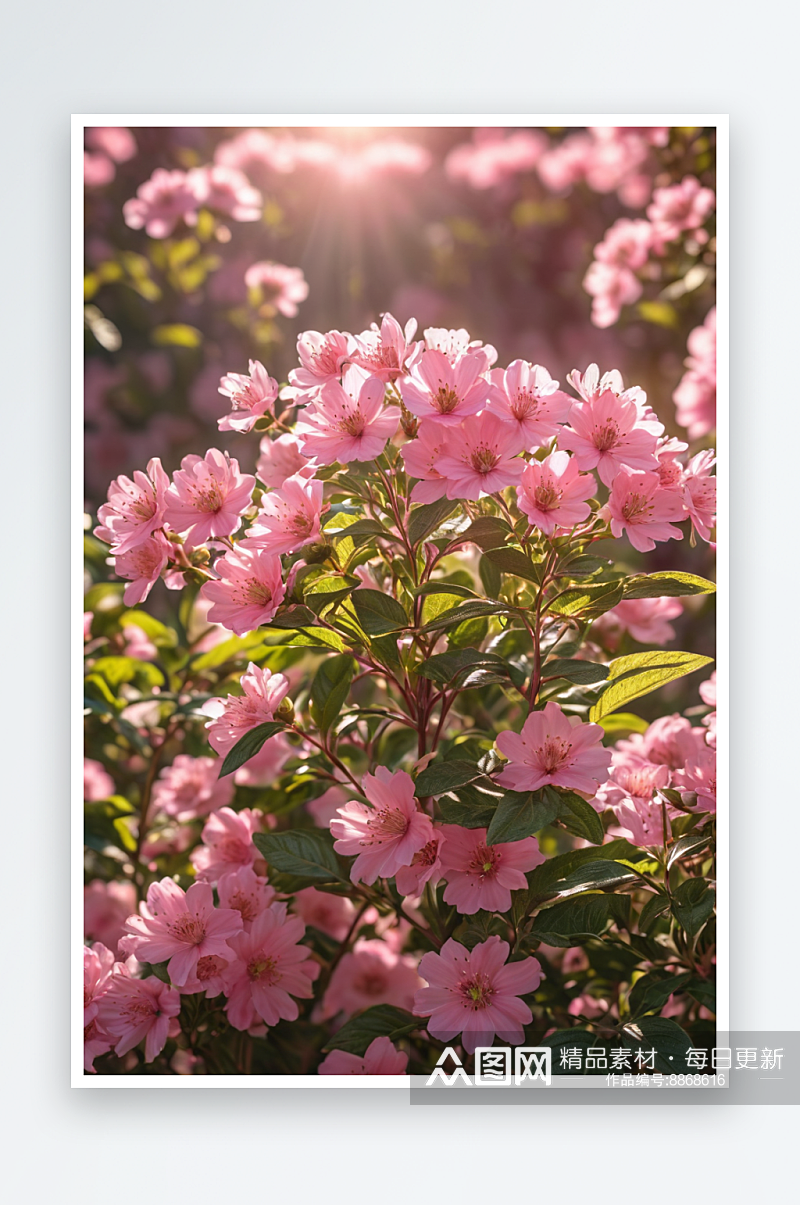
(285, 710)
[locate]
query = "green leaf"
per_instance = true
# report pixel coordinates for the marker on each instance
(383, 1020)
(235, 648)
(669, 584)
(664, 1036)
(578, 816)
(479, 927)
(692, 904)
(490, 576)
(487, 532)
(248, 746)
(293, 617)
(460, 666)
(588, 601)
(330, 688)
(441, 587)
(512, 560)
(623, 721)
(423, 520)
(177, 335)
(575, 920)
(640, 673)
(468, 610)
(445, 776)
(541, 879)
(328, 589)
(601, 874)
(379, 613)
(687, 845)
(582, 673)
(653, 990)
(656, 905)
(470, 808)
(520, 815)
(360, 531)
(305, 852)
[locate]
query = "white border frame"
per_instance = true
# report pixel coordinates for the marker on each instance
(388, 121)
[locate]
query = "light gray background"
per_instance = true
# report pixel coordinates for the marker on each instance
(583, 56)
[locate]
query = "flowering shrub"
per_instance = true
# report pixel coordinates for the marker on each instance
(376, 784)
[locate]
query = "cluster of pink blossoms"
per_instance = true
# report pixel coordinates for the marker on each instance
(605, 158)
(670, 754)
(260, 153)
(171, 196)
(696, 396)
(675, 212)
(476, 430)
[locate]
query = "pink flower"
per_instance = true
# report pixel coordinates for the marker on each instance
(251, 397)
(454, 345)
(191, 787)
(591, 385)
(323, 358)
(611, 287)
(426, 867)
(700, 493)
(483, 876)
(227, 190)
(227, 843)
(95, 1042)
(181, 926)
(696, 396)
(136, 1009)
(443, 392)
(481, 457)
(162, 201)
(608, 435)
(348, 421)
(115, 141)
(380, 1058)
(708, 691)
(642, 510)
(670, 741)
(98, 963)
(383, 352)
(475, 993)
(527, 396)
(325, 807)
(645, 619)
(106, 907)
(245, 892)
(137, 644)
(372, 973)
(679, 207)
(420, 457)
(249, 590)
(270, 968)
(494, 156)
(142, 566)
(281, 458)
(630, 792)
(232, 717)
(700, 775)
(208, 496)
(135, 509)
(387, 835)
(331, 914)
(670, 470)
(97, 170)
(88, 616)
(289, 517)
(282, 287)
(554, 748)
(552, 493)
(97, 783)
(625, 244)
